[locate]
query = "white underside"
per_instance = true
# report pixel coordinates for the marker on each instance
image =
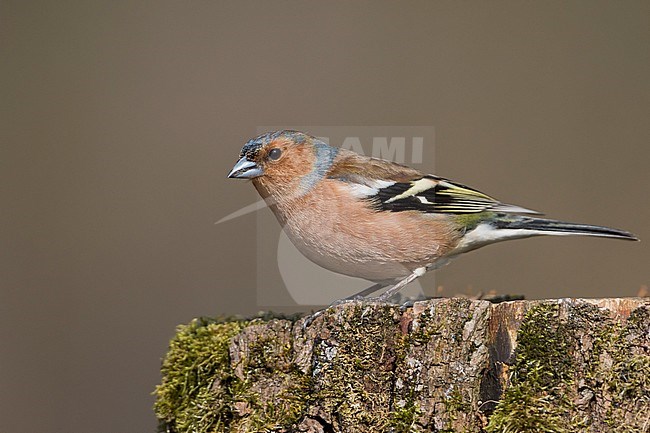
(485, 234)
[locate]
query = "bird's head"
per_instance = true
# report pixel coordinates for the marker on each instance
(290, 161)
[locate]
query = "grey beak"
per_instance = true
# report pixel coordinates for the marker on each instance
(245, 169)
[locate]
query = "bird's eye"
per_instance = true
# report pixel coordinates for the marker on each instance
(275, 154)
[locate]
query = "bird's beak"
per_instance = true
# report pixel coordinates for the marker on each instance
(245, 169)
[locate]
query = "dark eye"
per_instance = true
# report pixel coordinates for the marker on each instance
(275, 154)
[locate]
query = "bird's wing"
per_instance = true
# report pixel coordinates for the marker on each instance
(354, 168)
(393, 187)
(432, 194)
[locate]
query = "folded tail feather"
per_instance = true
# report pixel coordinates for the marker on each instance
(552, 227)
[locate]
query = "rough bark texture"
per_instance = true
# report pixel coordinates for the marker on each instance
(443, 365)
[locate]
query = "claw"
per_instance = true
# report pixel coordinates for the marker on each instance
(351, 300)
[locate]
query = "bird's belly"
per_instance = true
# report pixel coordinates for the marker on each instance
(338, 261)
(373, 259)
(358, 241)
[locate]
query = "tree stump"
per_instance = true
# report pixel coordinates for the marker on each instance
(442, 365)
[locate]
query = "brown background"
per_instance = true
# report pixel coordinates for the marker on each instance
(120, 121)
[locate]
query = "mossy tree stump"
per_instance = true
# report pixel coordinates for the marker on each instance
(443, 365)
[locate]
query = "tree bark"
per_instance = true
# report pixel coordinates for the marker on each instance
(442, 365)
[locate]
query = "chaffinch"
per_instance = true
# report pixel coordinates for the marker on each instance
(385, 222)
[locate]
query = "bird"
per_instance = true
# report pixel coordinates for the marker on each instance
(378, 220)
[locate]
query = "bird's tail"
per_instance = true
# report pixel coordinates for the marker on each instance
(540, 226)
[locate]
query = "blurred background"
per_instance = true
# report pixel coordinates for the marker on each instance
(120, 121)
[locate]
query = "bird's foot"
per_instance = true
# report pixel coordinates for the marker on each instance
(351, 300)
(397, 299)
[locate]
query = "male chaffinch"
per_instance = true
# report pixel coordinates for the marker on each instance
(374, 219)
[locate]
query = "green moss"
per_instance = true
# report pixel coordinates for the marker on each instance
(455, 404)
(274, 393)
(197, 358)
(265, 413)
(402, 420)
(353, 377)
(426, 329)
(200, 391)
(405, 411)
(434, 341)
(614, 373)
(355, 370)
(630, 379)
(362, 351)
(536, 400)
(627, 380)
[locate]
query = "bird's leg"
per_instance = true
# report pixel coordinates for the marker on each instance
(350, 299)
(381, 298)
(358, 296)
(367, 291)
(397, 287)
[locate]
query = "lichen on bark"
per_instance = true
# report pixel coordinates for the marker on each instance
(578, 368)
(445, 365)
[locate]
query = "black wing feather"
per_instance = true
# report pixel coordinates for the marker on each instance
(441, 196)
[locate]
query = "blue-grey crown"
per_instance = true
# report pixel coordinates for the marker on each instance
(253, 146)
